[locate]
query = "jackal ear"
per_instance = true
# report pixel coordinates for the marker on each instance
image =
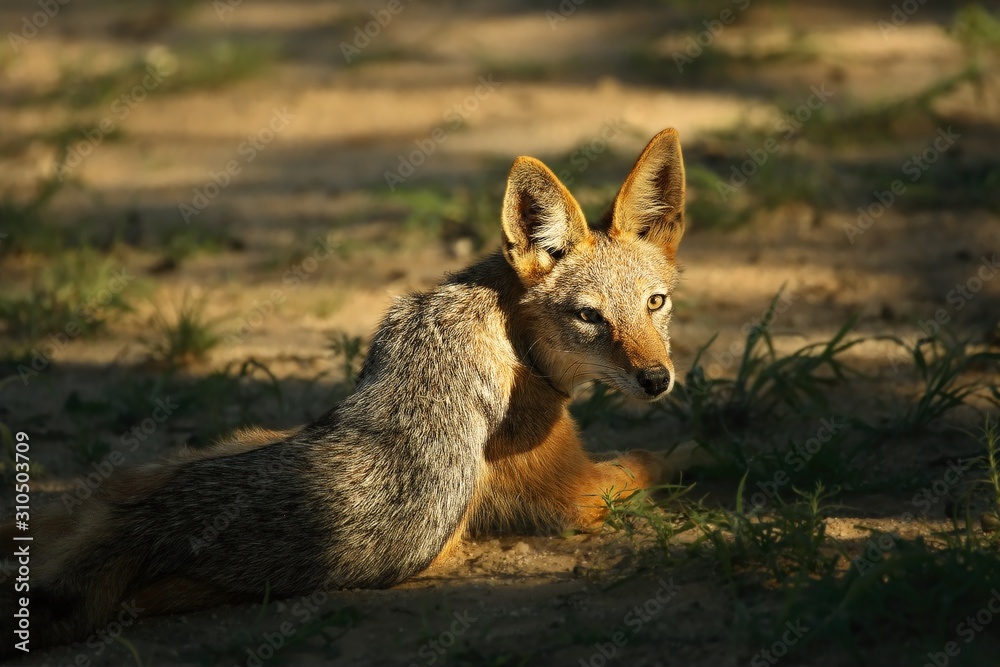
(650, 203)
(541, 219)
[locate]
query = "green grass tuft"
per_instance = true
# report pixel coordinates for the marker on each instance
(185, 338)
(76, 295)
(765, 384)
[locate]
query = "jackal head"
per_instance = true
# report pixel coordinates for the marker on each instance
(597, 300)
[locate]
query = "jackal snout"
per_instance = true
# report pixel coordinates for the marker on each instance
(640, 352)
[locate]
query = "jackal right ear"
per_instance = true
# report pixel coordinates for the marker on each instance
(541, 219)
(650, 204)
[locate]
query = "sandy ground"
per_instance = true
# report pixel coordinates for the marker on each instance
(522, 83)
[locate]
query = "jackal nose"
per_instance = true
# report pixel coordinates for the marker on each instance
(655, 379)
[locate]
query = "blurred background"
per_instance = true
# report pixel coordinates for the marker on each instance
(209, 148)
(215, 201)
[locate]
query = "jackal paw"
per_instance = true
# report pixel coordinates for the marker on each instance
(682, 458)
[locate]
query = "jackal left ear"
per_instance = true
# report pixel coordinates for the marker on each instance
(650, 203)
(541, 219)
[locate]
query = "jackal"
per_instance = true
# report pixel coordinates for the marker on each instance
(459, 424)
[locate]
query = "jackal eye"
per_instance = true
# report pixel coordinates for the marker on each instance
(656, 302)
(590, 315)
